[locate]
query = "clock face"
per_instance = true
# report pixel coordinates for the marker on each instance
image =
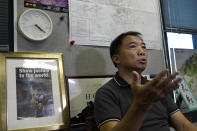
(35, 24)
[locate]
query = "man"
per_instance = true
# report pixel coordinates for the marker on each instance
(128, 102)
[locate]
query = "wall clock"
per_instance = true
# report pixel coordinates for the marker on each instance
(35, 24)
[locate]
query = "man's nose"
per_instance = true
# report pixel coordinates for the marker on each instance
(141, 51)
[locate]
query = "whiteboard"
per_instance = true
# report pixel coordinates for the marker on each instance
(82, 91)
(98, 22)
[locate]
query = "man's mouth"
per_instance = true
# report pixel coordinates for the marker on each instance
(143, 61)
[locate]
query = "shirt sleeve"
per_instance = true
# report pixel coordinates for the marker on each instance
(106, 107)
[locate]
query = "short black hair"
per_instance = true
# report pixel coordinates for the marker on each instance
(116, 43)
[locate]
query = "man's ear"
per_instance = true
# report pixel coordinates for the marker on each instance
(116, 59)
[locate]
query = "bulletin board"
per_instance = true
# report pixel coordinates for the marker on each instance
(83, 60)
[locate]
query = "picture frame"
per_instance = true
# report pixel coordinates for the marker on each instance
(33, 92)
(82, 91)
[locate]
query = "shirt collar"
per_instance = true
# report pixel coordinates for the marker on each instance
(122, 83)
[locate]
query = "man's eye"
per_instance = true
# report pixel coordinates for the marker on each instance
(132, 46)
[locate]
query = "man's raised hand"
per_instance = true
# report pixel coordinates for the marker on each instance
(154, 90)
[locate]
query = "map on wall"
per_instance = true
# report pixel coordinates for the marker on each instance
(98, 22)
(188, 72)
(54, 5)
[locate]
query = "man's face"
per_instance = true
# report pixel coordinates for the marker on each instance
(132, 54)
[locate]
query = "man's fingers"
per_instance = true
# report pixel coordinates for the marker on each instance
(175, 84)
(171, 77)
(167, 80)
(136, 79)
(171, 86)
(164, 84)
(159, 77)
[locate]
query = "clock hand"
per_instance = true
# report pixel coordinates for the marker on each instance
(36, 25)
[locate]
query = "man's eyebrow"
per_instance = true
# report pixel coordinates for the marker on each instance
(132, 42)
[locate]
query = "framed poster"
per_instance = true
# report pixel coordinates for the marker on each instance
(81, 95)
(33, 95)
